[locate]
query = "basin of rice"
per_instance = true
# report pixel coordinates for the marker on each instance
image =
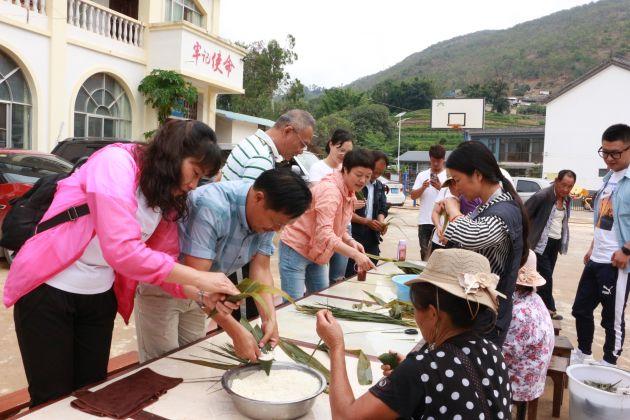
(279, 386)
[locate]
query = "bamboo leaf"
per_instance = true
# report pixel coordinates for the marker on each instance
(389, 359)
(364, 369)
(300, 356)
(213, 365)
(376, 299)
(252, 289)
(359, 316)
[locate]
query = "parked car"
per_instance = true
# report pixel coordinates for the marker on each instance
(526, 187)
(74, 148)
(394, 192)
(19, 170)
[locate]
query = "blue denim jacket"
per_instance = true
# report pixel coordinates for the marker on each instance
(621, 207)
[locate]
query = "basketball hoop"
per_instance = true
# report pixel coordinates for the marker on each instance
(456, 127)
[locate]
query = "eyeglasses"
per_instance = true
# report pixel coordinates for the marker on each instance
(615, 154)
(304, 144)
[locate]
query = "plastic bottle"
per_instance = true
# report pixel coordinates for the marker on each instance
(402, 250)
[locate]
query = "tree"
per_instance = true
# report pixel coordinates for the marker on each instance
(411, 94)
(166, 90)
(372, 126)
(264, 75)
(294, 98)
(495, 92)
(338, 99)
(326, 125)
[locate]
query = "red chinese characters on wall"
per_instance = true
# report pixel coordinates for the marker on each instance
(215, 60)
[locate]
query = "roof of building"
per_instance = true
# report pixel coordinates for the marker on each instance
(245, 118)
(417, 156)
(506, 130)
(614, 61)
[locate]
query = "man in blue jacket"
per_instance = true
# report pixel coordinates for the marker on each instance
(605, 277)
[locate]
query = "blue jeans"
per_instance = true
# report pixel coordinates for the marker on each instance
(298, 273)
(337, 267)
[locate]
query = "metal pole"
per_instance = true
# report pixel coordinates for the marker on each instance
(398, 158)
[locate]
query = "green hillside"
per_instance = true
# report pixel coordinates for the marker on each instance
(544, 53)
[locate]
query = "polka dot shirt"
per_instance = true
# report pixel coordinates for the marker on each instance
(435, 384)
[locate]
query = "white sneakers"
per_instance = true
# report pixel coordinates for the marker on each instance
(577, 358)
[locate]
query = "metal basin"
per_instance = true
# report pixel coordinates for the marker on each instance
(264, 410)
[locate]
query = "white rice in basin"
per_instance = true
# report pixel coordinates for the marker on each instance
(281, 385)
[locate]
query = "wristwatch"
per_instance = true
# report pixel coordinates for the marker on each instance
(625, 250)
(200, 295)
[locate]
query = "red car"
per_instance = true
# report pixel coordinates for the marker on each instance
(19, 170)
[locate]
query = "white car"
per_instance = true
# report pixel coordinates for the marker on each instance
(394, 192)
(526, 187)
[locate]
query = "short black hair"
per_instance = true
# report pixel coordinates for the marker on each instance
(617, 132)
(566, 172)
(424, 294)
(339, 137)
(285, 192)
(437, 151)
(358, 158)
(378, 155)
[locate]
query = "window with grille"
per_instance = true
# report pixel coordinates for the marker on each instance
(15, 106)
(102, 109)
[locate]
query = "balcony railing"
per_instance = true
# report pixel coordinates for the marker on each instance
(37, 6)
(106, 22)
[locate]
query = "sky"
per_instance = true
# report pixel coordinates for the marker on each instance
(339, 41)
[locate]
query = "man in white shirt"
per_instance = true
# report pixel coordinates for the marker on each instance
(605, 278)
(425, 189)
(290, 136)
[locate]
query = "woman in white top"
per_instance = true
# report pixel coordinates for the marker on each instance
(338, 145)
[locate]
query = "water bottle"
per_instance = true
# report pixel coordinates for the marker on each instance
(402, 250)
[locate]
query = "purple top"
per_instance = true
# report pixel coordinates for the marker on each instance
(468, 206)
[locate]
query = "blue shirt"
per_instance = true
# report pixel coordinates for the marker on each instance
(216, 228)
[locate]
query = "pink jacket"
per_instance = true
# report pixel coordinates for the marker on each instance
(316, 233)
(107, 182)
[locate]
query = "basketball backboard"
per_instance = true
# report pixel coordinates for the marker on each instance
(457, 113)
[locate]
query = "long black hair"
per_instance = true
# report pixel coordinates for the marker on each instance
(161, 160)
(471, 156)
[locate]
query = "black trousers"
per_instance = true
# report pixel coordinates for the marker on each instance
(64, 339)
(425, 234)
(601, 284)
(251, 310)
(545, 264)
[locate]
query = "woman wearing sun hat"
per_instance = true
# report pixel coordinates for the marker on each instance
(456, 373)
(530, 339)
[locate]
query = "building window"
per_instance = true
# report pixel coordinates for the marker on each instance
(102, 109)
(177, 10)
(15, 106)
(188, 111)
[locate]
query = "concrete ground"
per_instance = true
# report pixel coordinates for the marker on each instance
(568, 271)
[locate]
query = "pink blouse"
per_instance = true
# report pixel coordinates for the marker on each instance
(528, 346)
(325, 224)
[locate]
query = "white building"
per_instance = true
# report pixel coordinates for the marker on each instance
(232, 127)
(578, 115)
(71, 68)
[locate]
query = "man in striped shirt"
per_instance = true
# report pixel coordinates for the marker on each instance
(290, 136)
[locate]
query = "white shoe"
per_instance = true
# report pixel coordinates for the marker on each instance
(605, 363)
(578, 358)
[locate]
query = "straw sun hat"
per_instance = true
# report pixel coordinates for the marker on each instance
(464, 274)
(527, 275)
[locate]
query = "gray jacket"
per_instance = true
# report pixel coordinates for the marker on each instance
(539, 207)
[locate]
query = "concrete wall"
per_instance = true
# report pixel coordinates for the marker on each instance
(576, 120)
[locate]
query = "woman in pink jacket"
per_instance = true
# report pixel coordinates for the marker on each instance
(307, 245)
(67, 282)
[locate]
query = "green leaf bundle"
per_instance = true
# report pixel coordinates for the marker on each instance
(252, 289)
(352, 315)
